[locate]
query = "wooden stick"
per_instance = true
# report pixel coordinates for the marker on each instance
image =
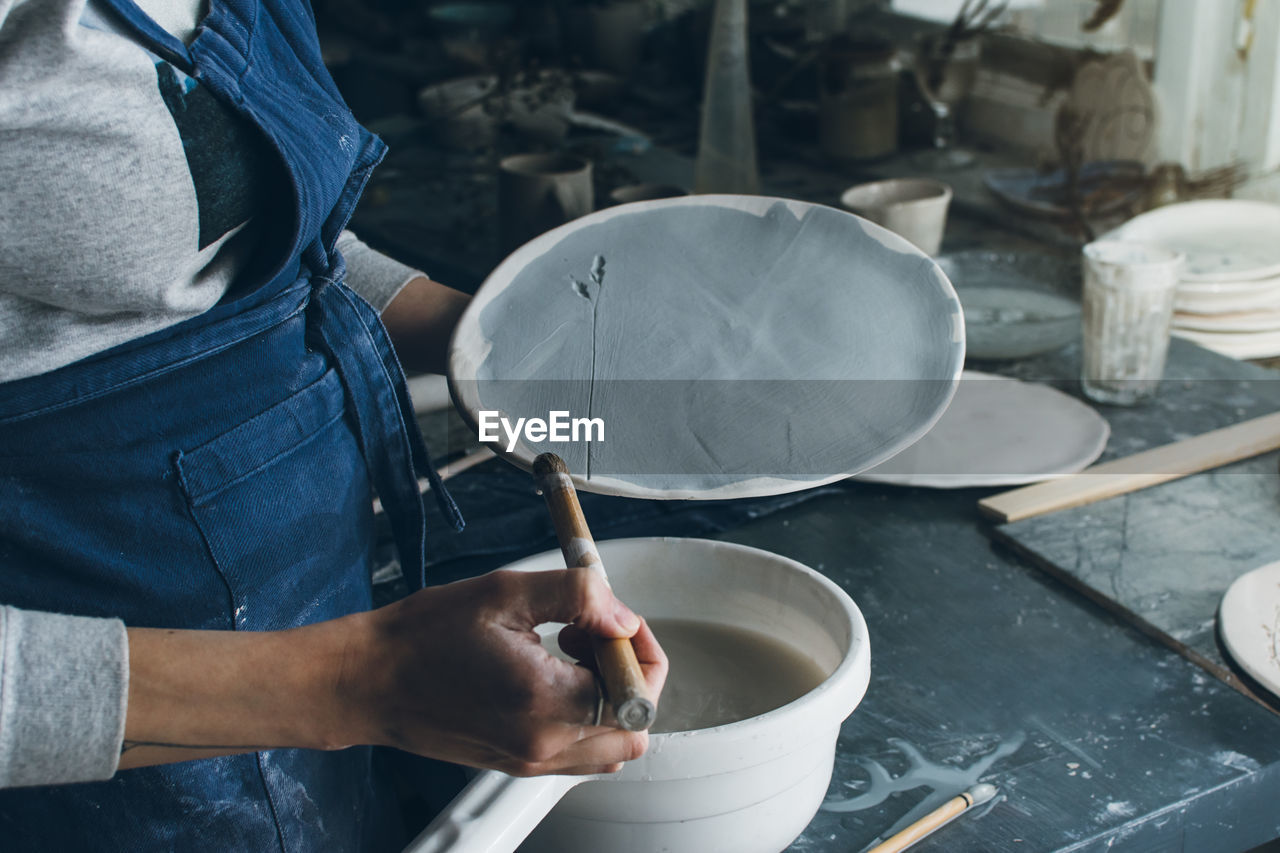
(624, 683)
(1149, 468)
(457, 466)
(936, 819)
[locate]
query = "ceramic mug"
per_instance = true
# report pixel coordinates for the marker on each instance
(537, 192)
(915, 208)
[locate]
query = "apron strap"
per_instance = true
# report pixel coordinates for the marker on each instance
(379, 397)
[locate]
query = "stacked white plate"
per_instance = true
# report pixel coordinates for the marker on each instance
(1229, 296)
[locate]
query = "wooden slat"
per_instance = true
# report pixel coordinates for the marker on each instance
(1149, 468)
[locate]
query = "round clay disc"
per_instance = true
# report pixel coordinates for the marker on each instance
(709, 347)
(999, 432)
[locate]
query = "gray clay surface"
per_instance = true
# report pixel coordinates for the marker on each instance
(725, 349)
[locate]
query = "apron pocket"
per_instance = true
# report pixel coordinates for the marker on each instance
(284, 504)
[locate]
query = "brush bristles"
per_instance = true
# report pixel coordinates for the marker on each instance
(549, 463)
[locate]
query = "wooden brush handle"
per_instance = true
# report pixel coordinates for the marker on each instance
(624, 683)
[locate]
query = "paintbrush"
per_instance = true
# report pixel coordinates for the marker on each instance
(936, 819)
(624, 683)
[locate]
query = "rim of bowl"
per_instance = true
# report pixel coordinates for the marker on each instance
(851, 676)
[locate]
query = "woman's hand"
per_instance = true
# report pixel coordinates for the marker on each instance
(454, 672)
(457, 672)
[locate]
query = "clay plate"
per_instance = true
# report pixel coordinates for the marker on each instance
(999, 432)
(1016, 304)
(1249, 622)
(732, 345)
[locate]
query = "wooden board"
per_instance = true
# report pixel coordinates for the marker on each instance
(1140, 471)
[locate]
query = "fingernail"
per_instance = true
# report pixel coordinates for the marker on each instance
(628, 620)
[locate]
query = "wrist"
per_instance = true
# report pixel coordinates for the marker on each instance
(336, 681)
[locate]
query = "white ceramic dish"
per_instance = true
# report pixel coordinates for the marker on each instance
(999, 432)
(1241, 345)
(745, 787)
(1249, 622)
(1223, 239)
(731, 346)
(1226, 302)
(1258, 320)
(1003, 323)
(1228, 289)
(1015, 303)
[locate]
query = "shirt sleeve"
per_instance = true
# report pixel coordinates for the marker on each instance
(64, 689)
(373, 275)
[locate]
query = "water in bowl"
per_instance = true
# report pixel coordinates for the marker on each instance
(723, 674)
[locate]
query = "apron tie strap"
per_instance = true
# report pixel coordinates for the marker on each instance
(379, 399)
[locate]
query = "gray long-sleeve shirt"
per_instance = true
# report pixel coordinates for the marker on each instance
(127, 204)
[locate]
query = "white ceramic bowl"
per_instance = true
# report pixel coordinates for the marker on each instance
(747, 786)
(1016, 304)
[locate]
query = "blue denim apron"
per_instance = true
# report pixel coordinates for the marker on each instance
(219, 475)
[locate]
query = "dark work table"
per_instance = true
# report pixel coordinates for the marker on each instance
(984, 668)
(1102, 738)
(1098, 736)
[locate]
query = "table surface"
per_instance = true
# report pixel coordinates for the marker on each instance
(1098, 737)
(1163, 557)
(983, 667)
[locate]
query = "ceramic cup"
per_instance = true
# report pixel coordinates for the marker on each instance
(537, 192)
(916, 208)
(645, 192)
(1128, 306)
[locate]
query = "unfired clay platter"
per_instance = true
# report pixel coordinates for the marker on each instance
(1223, 239)
(732, 345)
(999, 432)
(1249, 622)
